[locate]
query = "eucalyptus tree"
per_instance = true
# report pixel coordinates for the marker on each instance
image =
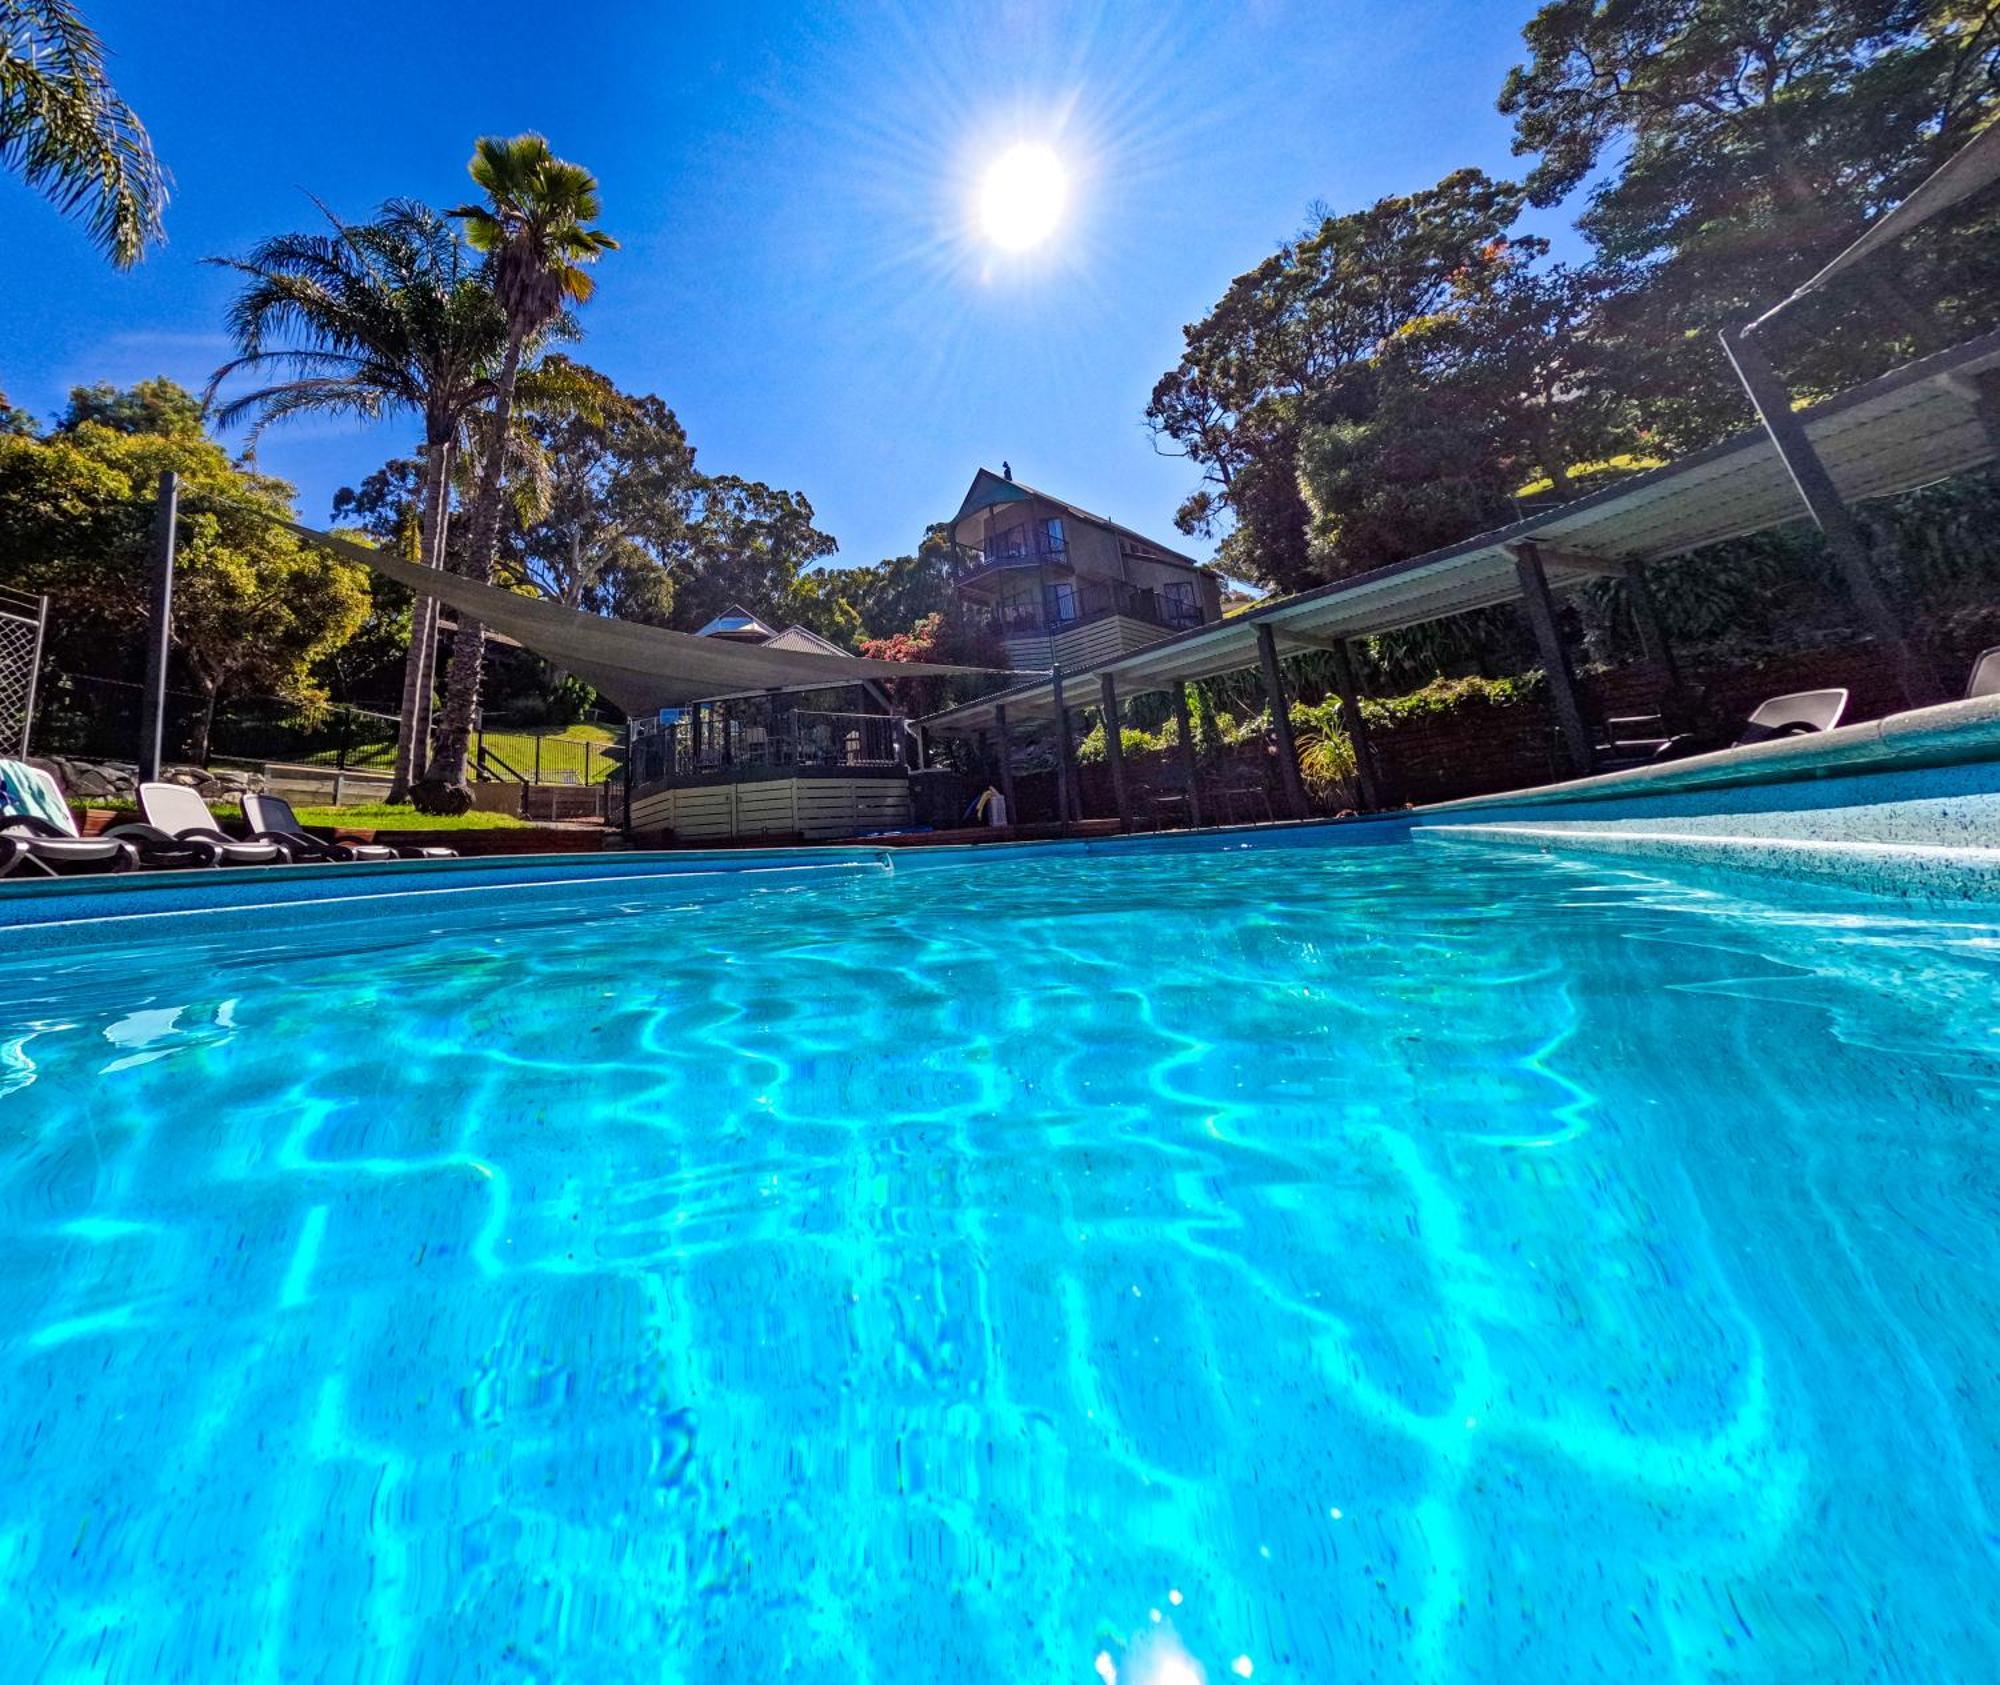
(535, 228)
(371, 319)
(67, 134)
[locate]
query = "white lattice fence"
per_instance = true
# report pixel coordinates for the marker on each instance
(21, 621)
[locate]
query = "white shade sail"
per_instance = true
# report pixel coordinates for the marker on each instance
(638, 668)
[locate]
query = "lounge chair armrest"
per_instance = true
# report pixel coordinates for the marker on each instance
(33, 824)
(139, 831)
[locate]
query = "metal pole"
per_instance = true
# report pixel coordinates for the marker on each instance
(538, 751)
(1365, 770)
(1540, 606)
(159, 636)
(586, 760)
(1830, 514)
(34, 673)
(1006, 763)
(1281, 721)
(1653, 643)
(340, 757)
(1188, 758)
(1114, 747)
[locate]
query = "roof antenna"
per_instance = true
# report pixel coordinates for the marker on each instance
(1007, 470)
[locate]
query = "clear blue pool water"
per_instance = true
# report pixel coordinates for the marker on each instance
(1370, 1263)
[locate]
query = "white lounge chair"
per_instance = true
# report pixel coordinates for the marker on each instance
(174, 813)
(38, 831)
(1798, 714)
(1985, 680)
(272, 816)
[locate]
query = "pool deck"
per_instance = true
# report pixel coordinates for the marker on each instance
(1906, 806)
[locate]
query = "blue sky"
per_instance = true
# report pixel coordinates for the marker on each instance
(801, 276)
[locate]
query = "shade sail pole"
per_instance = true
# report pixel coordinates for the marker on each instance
(1844, 537)
(1281, 721)
(1114, 747)
(160, 630)
(1540, 606)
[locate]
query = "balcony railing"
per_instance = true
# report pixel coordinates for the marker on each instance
(1096, 600)
(793, 738)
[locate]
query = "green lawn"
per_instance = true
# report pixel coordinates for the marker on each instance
(562, 752)
(380, 816)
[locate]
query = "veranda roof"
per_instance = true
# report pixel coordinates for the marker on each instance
(1913, 426)
(638, 668)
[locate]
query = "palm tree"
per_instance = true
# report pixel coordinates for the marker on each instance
(364, 320)
(534, 228)
(69, 136)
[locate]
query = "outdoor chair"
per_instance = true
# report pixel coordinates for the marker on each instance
(34, 815)
(272, 816)
(1799, 713)
(174, 813)
(1985, 680)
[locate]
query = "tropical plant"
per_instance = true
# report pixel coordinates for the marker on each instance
(369, 319)
(67, 134)
(534, 228)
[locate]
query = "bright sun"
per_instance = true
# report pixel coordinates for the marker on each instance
(1021, 197)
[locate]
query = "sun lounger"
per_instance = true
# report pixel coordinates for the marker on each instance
(272, 816)
(1985, 680)
(41, 831)
(1796, 715)
(174, 813)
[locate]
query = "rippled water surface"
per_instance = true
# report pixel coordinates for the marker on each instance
(1315, 1264)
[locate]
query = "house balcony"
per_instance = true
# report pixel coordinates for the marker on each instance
(1083, 624)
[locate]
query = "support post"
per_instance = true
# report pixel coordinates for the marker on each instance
(1189, 763)
(1006, 747)
(160, 631)
(1281, 721)
(631, 746)
(1830, 514)
(1114, 747)
(538, 751)
(1653, 644)
(1065, 755)
(1539, 603)
(1365, 770)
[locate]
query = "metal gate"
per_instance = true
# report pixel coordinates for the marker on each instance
(22, 621)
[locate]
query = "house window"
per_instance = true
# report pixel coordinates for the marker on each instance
(1053, 542)
(1009, 544)
(1062, 603)
(1182, 606)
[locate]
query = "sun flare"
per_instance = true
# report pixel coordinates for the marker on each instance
(1022, 197)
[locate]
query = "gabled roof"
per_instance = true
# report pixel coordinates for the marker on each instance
(738, 622)
(799, 637)
(988, 490)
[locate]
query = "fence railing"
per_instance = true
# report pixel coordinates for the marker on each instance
(23, 620)
(795, 738)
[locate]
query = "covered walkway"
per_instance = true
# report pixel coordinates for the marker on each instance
(1917, 425)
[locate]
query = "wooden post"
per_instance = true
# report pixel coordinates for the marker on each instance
(1831, 515)
(1114, 747)
(1006, 747)
(1281, 720)
(631, 749)
(1365, 769)
(1539, 603)
(1066, 791)
(160, 630)
(1189, 761)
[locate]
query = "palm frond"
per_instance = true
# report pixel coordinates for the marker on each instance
(67, 133)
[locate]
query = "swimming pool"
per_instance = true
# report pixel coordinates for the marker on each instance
(1375, 1262)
